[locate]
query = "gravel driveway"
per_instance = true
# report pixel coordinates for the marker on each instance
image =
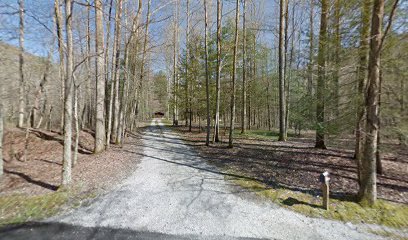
(174, 194)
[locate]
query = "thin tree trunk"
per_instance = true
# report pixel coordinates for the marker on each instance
(27, 135)
(116, 103)
(243, 113)
(337, 47)
(188, 103)
(90, 104)
(218, 80)
(76, 121)
(378, 153)
(310, 65)
(21, 109)
(175, 44)
(110, 107)
(61, 69)
(368, 188)
(67, 161)
(207, 77)
(285, 71)
(234, 70)
(288, 74)
(282, 98)
(49, 119)
(321, 61)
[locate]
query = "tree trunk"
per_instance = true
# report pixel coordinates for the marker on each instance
(321, 61)
(67, 161)
(61, 69)
(218, 80)
(368, 188)
(175, 45)
(234, 70)
(378, 153)
(187, 63)
(100, 133)
(310, 65)
(112, 76)
(337, 47)
(243, 113)
(118, 39)
(282, 98)
(27, 135)
(207, 77)
(76, 121)
(22, 86)
(362, 81)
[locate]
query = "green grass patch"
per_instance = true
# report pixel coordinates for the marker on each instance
(16, 209)
(388, 234)
(383, 213)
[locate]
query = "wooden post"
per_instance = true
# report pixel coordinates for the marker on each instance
(324, 180)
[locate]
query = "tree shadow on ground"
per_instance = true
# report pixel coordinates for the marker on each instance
(33, 181)
(59, 138)
(297, 167)
(63, 231)
(290, 201)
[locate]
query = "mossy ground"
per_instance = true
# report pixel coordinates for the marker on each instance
(16, 209)
(383, 213)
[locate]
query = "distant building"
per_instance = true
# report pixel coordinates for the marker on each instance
(158, 115)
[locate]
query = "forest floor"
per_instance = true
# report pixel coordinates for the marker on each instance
(29, 190)
(296, 164)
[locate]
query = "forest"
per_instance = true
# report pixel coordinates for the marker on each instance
(301, 81)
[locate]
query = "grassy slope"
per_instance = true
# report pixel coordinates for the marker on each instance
(15, 209)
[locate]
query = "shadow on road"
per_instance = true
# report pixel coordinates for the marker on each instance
(62, 231)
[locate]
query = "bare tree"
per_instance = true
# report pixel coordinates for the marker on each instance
(337, 48)
(243, 113)
(175, 45)
(61, 69)
(218, 77)
(207, 80)
(100, 80)
(234, 70)
(282, 98)
(21, 109)
(310, 64)
(116, 83)
(67, 162)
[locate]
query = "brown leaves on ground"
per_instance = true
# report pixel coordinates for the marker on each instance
(41, 173)
(296, 164)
